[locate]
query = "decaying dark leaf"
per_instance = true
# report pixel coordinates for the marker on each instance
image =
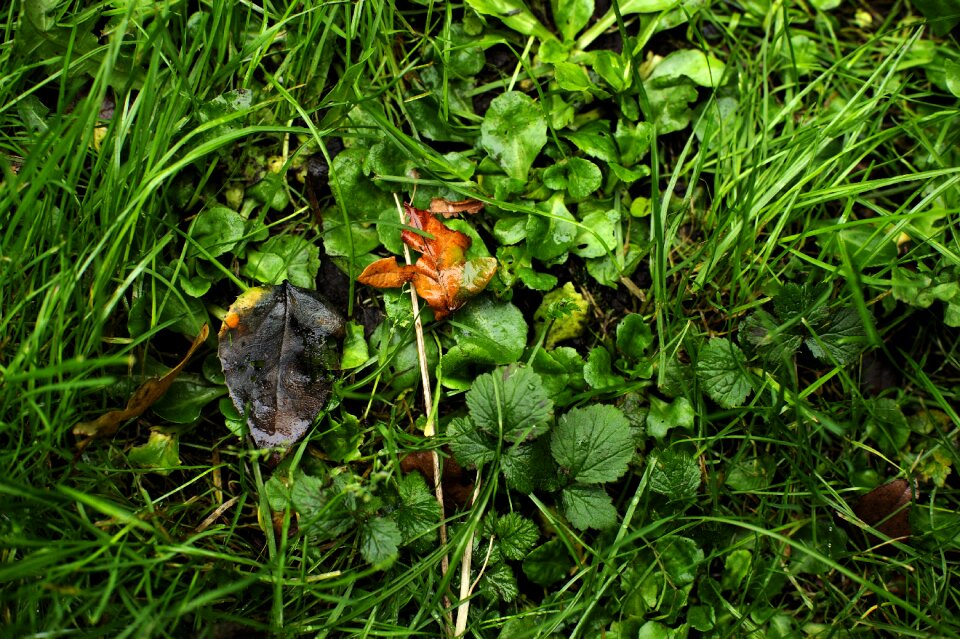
(887, 508)
(443, 276)
(278, 348)
(448, 209)
(149, 392)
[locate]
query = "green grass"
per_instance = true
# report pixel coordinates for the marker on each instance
(827, 156)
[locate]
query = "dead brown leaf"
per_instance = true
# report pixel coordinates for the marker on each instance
(449, 209)
(887, 508)
(149, 392)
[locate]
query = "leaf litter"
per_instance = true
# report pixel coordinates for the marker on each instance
(443, 276)
(144, 397)
(278, 349)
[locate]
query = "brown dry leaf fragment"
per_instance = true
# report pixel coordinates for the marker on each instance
(449, 209)
(278, 349)
(443, 276)
(887, 508)
(149, 392)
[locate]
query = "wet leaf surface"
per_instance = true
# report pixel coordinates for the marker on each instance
(148, 393)
(443, 276)
(278, 348)
(887, 508)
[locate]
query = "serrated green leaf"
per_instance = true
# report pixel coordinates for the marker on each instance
(751, 474)
(588, 507)
(379, 539)
(680, 558)
(663, 416)
(840, 337)
(674, 474)
(513, 132)
(593, 444)
(516, 535)
(721, 368)
(775, 344)
(499, 582)
(323, 512)
(548, 563)
(418, 515)
(470, 446)
(510, 402)
(519, 467)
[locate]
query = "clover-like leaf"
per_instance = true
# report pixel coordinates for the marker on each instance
(277, 348)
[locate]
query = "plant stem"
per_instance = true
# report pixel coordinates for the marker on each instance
(428, 429)
(464, 606)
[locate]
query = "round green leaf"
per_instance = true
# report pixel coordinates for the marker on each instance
(217, 231)
(513, 132)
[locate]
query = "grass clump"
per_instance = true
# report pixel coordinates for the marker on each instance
(717, 231)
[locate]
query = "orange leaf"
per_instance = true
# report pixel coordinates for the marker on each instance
(440, 273)
(448, 209)
(386, 273)
(149, 392)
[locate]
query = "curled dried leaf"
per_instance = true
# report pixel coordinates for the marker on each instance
(442, 276)
(144, 397)
(449, 209)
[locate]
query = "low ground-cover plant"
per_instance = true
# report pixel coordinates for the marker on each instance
(685, 353)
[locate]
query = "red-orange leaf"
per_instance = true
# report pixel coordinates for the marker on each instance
(438, 276)
(386, 273)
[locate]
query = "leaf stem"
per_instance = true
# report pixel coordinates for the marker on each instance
(428, 429)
